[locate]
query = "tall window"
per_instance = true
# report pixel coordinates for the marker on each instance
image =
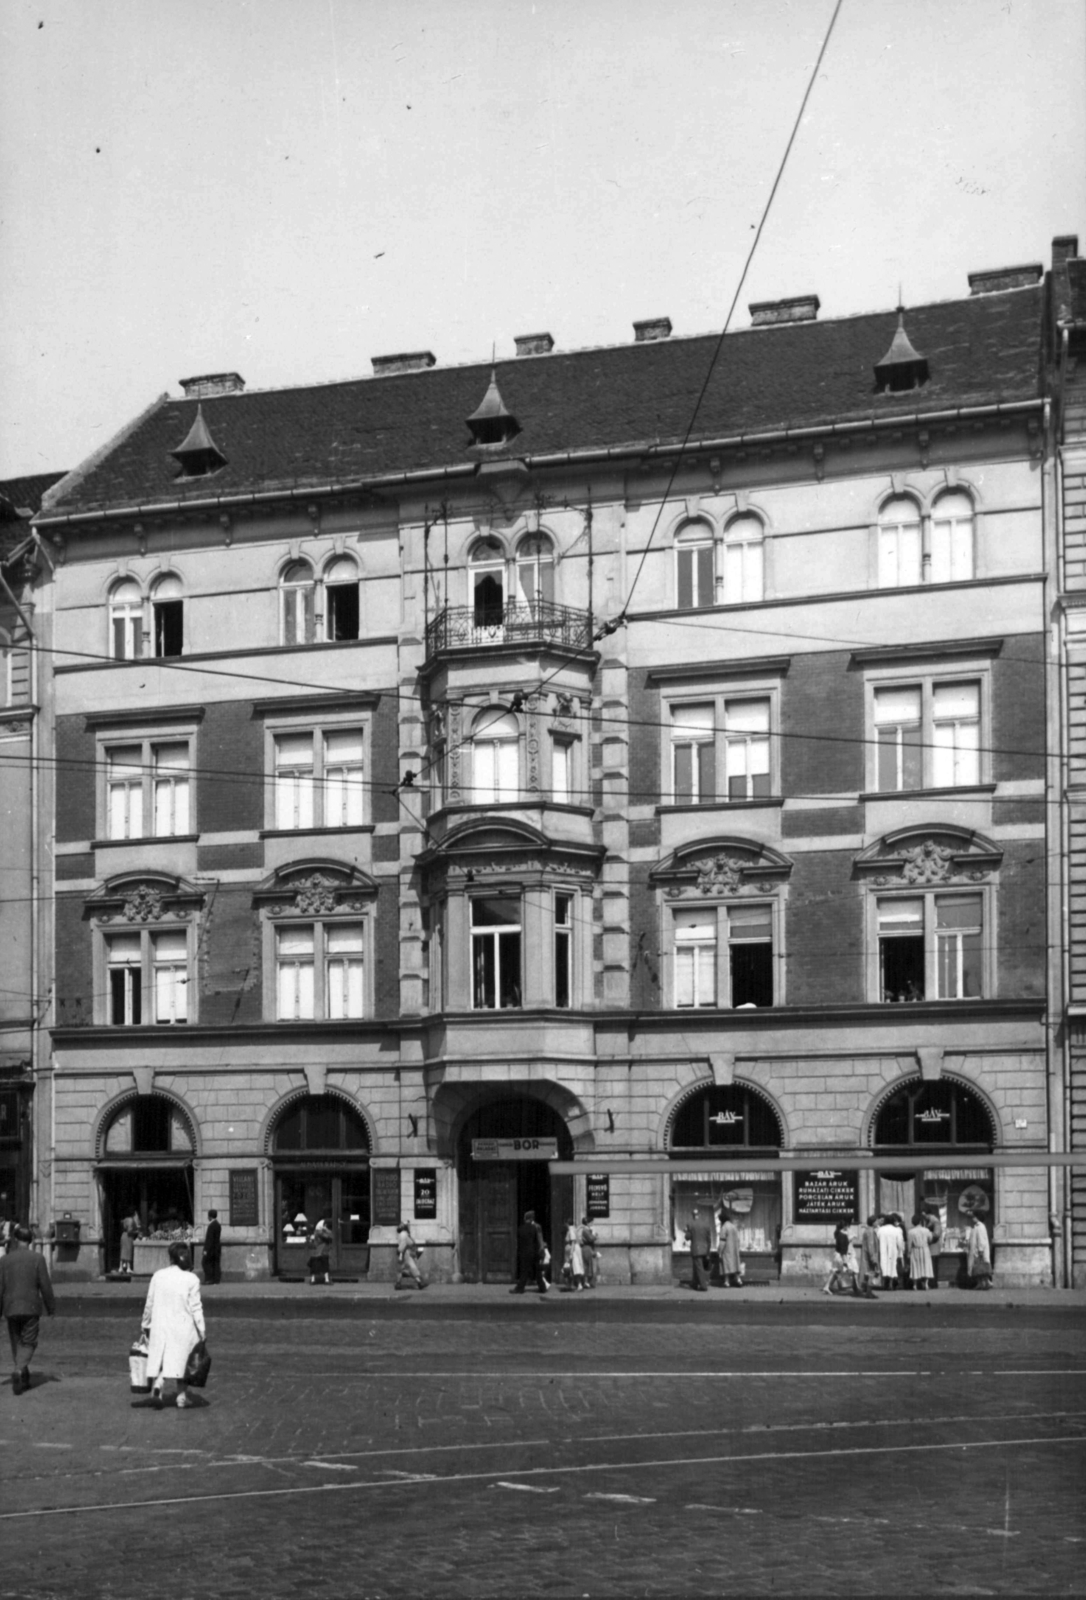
(535, 571)
(562, 787)
(750, 955)
(125, 980)
(495, 757)
(124, 785)
(148, 977)
(319, 779)
(693, 753)
(931, 946)
(295, 769)
(298, 602)
(126, 621)
(170, 781)
(746, 741)
(563, 949)
(900, 548)
(487, 563)
(927, 735)
(148, 781)
(168, 616)
(695, 957)
(741, 933)
(341, 609)
(496, 953)
(695, 582)
(744, 545)
(952, 542)
(169, 959)
(319, 971)
(955, 725)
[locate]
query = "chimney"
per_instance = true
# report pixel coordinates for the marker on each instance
(212, 383)
(534, 344)
(654, 328)
(1005, 278)
(407, 361)
(1063, 248)
(772, 313)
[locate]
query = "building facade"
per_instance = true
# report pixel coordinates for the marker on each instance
(465, 767)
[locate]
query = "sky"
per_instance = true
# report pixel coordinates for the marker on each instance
(286, 188)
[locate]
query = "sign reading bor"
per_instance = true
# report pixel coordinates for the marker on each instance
(514, 1149)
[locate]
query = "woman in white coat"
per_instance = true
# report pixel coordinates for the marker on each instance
(174, 1319)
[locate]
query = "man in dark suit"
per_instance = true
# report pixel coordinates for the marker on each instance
(211, 1260)
(529, 1255)
(700, 1238)
(24, 1290)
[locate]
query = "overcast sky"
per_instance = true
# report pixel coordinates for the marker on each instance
(288, 187)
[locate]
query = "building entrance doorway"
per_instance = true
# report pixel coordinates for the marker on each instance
(321, 1157)
(495, 1194)
(145, 1170)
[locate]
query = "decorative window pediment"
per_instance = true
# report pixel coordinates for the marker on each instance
(916, 857)
(315, 889)
(722, 868)
(479, 848)
(144, 897)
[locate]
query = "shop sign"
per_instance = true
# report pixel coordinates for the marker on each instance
(514, 1149)
(597, 1191)
(244, 1212)
(825, 1195)
(425, 1192)
(386, 1197)
(717, 1178)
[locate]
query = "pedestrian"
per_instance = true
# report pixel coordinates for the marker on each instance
(699, 1238)
(921, 1271)
(903, 1250)
(890, 1246)
(844, 1260)
(728, 1252)
(590, 1254)
(319, 1245)
(870, 1260)
(130, 1232)
(573, 1259)
(978, 1261)
(173, 1318)
(407, 1257)
(934, 1224)
(529, 1255)
(211, 1260)
(24, 1290)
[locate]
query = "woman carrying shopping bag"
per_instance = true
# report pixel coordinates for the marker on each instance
(173, 1318)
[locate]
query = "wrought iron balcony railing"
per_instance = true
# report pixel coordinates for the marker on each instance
(459, 627)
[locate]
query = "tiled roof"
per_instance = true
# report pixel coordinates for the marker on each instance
(980, 350)
(20, 494)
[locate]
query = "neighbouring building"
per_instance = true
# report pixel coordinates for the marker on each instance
(461, 766)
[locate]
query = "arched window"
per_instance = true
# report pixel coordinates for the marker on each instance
(900, 548)
(744, 542)
(535, 572)
(694, 577)
(168, 612)
(320, 1122)
(731, 1116)
(487, 561)
(126, 620)
(145, 1170)
(341, 609)
(495, 755)
(952, 538)
(937, 1113)
(148, 1125)
(297, 586)
(939, 1117)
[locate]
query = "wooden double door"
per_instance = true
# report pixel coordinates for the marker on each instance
(494, 1195)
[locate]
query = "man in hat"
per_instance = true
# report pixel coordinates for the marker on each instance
(530, 1248)
(212, 1254)
(24, 1289)
(407, 1254)
(699, 1237)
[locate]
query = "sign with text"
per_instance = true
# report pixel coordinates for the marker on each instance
(597, 1194)
(514, 1149)
(244, 1208)
(425, 1192)
(386, 1197)
(826, 1195)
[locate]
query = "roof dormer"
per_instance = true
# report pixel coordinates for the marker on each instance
(492, 422)
(902, 367)
(198, 454)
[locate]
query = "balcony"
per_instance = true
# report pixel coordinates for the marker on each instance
(523, 627)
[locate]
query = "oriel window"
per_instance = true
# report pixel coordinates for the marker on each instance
(496, 953)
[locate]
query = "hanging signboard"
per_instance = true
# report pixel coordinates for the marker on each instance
(514, 1149)
(826, 1195)
(597, 1192)
(386, 1197)
(425, 1192)
(244, 1212)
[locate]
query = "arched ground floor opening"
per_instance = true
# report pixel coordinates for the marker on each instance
(321, 1166)
(501, 1165)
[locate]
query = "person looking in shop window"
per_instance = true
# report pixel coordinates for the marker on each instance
(978, 1259)
(731, 1264)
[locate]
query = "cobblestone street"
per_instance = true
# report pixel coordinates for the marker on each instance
(405, 1447)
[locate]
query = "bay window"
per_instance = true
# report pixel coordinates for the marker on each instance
(496, 952)
(495, 757)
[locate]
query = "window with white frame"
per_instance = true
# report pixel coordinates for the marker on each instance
(487, 577)
(900, 544)
(148, 977)
(931, 946)
(319, 778)
(563, 950)
(744, 565)
(168, 616)
(721, 748)
(952, 538)
(148, 789)
(563, 783)
(695, 581)
(320, 971)
(927, 734)
(341, 600)
(535, 571)
(693, 753)
(126, 620)
(297, 599)
(495, 757)
(723, 954)
(496, 952)
(746, 747)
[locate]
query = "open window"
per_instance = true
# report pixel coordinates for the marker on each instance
(341, 600)
(168, 616)
(487, 573)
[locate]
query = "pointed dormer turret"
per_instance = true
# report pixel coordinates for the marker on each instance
(198, 454)
(492, 422)
(901, 367)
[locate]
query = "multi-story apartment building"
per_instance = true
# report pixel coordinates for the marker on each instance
(462, 767)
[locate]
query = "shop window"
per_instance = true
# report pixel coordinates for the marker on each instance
(723, 955)
(535, 572)
(722, 748)
(341, 600)
(900, 549)
(148, 977)
(927, 734)
(695, 585)
(319, 779)
(931, 946)
(744, 574)
(168, 616)
(495, 757)
(496, 953)
(297, 588)
(320, 971)
(952, 539)
(716, 1120)
(126, 621)
(563, 950)
(148, 782)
